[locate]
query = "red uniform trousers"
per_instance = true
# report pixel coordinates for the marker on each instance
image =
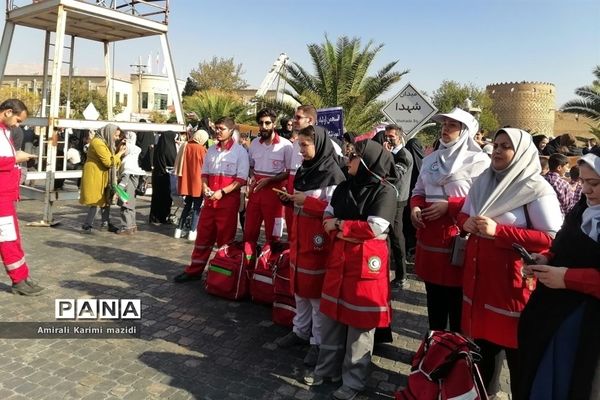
(12, 253)
(263, 205)
(218, 224)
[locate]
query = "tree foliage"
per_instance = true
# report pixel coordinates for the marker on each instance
(31, 100)
(589, 102)
(218, 73)
(81, 96)
(452, 94)
(341, 79)
(215, 104)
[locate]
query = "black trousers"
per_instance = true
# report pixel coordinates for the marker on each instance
(397, 243)
(444, 305)
(488, 364)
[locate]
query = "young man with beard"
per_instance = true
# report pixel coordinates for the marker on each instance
(224, 172)
(12, 113)
(270, 155)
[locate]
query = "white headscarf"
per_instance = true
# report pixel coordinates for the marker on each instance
(496, 192)
(461, 159)
(590, 220)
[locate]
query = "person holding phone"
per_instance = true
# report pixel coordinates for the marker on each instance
(314, 184)
(99, 174)
(559, 329)
(509, 203)
(12, 113)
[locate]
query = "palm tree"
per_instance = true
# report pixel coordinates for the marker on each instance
(589, 103)
(341, 79)
(215, 104)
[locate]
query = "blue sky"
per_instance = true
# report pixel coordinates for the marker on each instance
(479, 42)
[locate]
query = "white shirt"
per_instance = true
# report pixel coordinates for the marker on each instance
(272, 159)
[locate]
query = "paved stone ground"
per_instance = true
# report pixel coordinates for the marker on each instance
(192, 345)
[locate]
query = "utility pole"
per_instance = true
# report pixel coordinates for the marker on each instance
(140, 70)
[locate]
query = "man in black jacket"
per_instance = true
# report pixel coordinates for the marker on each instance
(403, 160)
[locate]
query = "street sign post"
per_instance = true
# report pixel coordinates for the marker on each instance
(409, 109)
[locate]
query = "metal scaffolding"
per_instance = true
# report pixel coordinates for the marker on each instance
(104, 21)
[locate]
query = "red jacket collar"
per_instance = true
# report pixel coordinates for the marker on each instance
(228, 144)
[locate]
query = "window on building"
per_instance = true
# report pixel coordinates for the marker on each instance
(117, 98)
(145, 100)
(125, 99)
(160, 101)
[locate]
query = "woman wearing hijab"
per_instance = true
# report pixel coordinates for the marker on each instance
(188, 168)
(99, 174)
(559, 329)
(355, 296)
(164, 160)
(314, 184)
(509, 203)
(445, 178)
(130, 174)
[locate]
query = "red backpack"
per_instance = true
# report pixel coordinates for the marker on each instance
(443, 369)
(261, 279)
(284, 305)
(227, 274)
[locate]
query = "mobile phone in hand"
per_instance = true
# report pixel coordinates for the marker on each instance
(528, 258)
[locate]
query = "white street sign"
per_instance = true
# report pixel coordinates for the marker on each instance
(91, 113)
(409, 109)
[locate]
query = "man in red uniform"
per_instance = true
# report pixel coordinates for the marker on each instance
(225, 170)
(12, 113)
(270, 155)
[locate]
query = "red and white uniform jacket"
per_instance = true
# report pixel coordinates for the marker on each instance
(310, 244)
(295, 163)
(9, 171)
(268, 161)
(494, 291)
(434, 242)
(222, 166)
(356, 288)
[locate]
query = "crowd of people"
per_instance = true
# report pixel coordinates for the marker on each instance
(354, 211)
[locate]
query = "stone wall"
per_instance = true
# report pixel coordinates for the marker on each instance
(525, 105)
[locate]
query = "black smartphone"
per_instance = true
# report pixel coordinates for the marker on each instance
(529, 260)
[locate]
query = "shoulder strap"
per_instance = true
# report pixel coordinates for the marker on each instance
(529, 225)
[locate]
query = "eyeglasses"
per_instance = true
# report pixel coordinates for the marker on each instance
(299, 117)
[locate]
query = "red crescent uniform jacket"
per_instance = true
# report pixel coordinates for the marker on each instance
(356, 288)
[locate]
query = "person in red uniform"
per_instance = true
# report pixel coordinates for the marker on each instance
(444, 181)
(314, 184)
(305, 115)
(225, 171)
(509, 203)
(269, 156)
(355, 297)
(560, 325)
(12, 113)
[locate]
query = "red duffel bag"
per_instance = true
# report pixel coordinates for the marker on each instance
(227, 274)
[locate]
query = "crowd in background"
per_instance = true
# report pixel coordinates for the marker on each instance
(366, 207)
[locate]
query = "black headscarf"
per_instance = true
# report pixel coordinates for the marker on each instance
(415, 148)
(367, 193)
(322, 170)
(392, 175)
(165, 152)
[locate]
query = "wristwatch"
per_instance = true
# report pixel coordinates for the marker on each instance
(337, 224)
(223, 193)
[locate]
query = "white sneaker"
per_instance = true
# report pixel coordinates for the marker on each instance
(192, 235)
(177, 233)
